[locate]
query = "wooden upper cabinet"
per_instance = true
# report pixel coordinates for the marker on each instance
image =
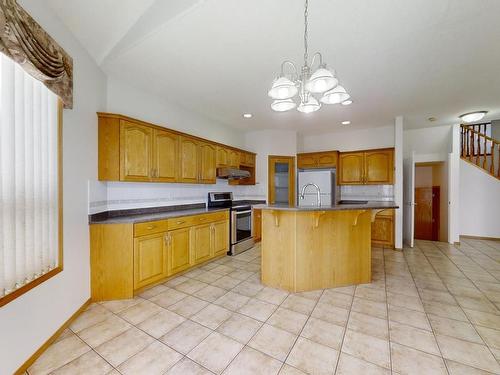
(234, 158)
(351, 168)
(207, 163)
(379, 167)
(372, 167)
(247, 159)
(135, 151)
(165, 156)
(310, 160)
(222, 156)
(188, 160)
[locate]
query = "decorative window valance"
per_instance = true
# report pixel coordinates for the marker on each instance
(24, 41)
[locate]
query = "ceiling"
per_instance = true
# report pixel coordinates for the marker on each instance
(417, 59)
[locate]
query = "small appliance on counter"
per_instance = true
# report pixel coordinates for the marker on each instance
(240, 222)
(317, 187)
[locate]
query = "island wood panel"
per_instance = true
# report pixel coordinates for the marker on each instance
(278, 249)
(257, 224)
(313, 250)
(111, 261)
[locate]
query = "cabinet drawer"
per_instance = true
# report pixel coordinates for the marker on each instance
(150, 227)
(210, 218)
(181, 222)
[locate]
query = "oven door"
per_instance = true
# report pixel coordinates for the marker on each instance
(241, 225)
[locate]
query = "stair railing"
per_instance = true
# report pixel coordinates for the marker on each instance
(480, 149)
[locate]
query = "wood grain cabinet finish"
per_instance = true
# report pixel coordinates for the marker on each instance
(257, 224)
(370, 167)
(135, 152)
(165, 156)
(382, 231)
(220, 238)
(150, 259)
(311, 160)
(179, 250)
(202, 246)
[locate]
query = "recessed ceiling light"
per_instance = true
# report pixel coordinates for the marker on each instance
(346, 122)
(473, 116)
(431, 119)
(247, 115)
(346, 102)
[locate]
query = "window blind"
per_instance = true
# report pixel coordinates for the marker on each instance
(28, 178)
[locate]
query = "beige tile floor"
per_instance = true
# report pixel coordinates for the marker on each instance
(433, 309)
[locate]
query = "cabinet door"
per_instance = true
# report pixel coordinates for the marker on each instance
(150, 259)
(207, 163)
(202, 243)
(306, 161)
(234, 158)
(250, 160)
(188, 160)
(257, 224)
(327, 160)
(220, 237)
(135, 152)
(222, 157)
(179, 246)
(379, 167)
(351, 168)
(165, 156)
(383, 231)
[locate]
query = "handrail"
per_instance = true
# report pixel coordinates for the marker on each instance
(480, 149)
(480, 134)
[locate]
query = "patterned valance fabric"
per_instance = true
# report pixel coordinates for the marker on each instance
(24, 40)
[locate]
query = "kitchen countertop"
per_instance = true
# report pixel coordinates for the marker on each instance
(338, 207)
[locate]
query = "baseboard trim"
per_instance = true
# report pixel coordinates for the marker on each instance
(21, 370)
(480, 238)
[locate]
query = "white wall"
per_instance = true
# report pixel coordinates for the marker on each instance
(432, 140)
(265, 143)
(347, 139)
(479, 202)
(133, 102)
(28, 321)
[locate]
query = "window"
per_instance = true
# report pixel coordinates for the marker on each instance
(30, 189)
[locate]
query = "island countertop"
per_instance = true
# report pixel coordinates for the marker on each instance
(370, 205)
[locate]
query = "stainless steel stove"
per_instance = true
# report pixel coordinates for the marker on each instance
(241, 232)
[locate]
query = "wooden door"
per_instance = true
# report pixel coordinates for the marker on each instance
(179, 248)
(222, 157)
(234, 158)
(423, 213)
(165, 156)
(379, 167)
(135, 152)
(188, 160)
(202, 243)
(150, 259)
(220, 237)
(281, 179)
(307, 161)
(257, 224)
(207, 163)
(351, 166)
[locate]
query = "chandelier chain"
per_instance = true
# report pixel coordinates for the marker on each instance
(306, 14)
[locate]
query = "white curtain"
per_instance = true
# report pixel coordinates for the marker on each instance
(28, 178)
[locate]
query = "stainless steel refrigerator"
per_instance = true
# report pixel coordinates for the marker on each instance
(325, 180)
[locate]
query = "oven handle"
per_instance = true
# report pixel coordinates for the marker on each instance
(243, 212)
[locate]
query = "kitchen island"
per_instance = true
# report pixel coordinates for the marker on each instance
(309, 248)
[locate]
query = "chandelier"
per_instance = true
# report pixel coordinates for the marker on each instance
(322, 84)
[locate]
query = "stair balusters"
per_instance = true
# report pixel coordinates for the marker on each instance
(475, 150)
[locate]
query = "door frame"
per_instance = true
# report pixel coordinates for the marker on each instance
(409, 200)
(273, 159)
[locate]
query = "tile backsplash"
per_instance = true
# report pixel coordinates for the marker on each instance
(367, 192)
(108, 196)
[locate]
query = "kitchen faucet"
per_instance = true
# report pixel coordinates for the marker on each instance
(318, 192)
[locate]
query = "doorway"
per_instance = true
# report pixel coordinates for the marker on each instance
(281, 180)
(431, 201)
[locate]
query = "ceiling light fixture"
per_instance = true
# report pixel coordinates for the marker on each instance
(247, 115)
(473, 116)
(321, 82)
(346, 122)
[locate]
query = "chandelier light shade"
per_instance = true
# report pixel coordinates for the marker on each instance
(306, 88)
(283, 105)
(335, 96)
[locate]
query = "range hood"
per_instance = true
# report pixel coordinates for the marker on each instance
(232, 173)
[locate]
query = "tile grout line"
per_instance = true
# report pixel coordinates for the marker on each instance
(387, 310)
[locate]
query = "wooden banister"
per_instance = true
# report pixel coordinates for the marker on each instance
(480, 149)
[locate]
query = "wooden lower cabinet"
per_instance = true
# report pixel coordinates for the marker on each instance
(257, 224)
(150, 259)
(125, 258)
(179, 250)
(383, 229)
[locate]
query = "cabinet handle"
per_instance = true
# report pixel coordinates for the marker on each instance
(180, 222)
(202, 218)
(166, 239)
(149, 227)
